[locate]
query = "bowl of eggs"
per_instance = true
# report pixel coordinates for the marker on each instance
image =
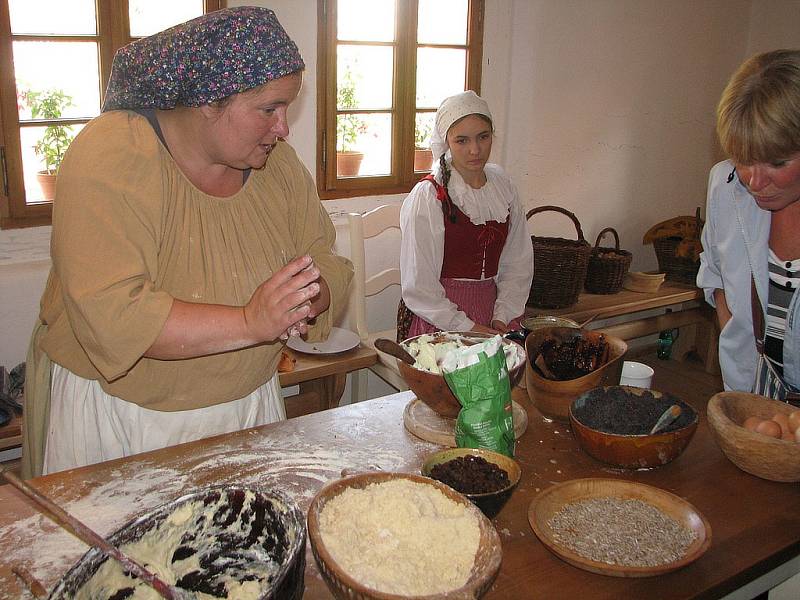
(425, 379)
(759, 435)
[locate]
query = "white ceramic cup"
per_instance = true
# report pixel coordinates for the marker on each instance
(636, 374)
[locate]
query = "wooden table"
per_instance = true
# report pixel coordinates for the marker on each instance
(322, 377)
(697, 323)
(755, 524)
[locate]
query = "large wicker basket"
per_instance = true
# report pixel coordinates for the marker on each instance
(559, 265)
(607, 266)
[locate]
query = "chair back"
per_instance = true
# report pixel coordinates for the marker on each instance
(363, 227)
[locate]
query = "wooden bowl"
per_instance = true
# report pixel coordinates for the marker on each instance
(633, 451)
(757, 454)
(283, 538)
(553, 398)
(432, 389)
(553, 499)
(343, 586)
(643, 281)
(490, 503)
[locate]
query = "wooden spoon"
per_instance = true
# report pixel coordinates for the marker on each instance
(394, 349)
(666, 419)
(92, 538)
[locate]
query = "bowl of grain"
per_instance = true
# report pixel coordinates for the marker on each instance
(487, 478)
(206, 542)
(613, 424)
(392, 536)
(564, 362)
(751, 451)
(424, 377)
(619, 528)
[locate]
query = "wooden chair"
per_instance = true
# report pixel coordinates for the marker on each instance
(363, 227)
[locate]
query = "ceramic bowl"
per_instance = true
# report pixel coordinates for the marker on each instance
(757, 454)
(432, 389)
(490, 503)
(280, 536)
(344, 586)
(631, 451)
(551, 397)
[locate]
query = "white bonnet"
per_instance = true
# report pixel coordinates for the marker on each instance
(451, 110)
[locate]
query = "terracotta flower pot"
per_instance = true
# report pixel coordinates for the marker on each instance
(423, 159)
(47, 181)
(348, 163)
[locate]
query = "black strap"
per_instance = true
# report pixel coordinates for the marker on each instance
(758, 316)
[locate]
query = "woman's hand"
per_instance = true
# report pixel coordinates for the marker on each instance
(477, 328)
(498, 325)
(723, 312)
(282, 305)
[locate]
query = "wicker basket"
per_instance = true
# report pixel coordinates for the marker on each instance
(671, 260)
(559, 265)
(607, 266)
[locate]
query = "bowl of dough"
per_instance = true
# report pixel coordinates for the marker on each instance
(392, 536)
(425, 378)
(219, 542)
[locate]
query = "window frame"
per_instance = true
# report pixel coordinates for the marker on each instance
(402, 177)
(113, 29)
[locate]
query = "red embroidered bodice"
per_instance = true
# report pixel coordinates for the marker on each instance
(470, 251)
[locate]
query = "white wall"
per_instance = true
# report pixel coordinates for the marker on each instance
(604, 107)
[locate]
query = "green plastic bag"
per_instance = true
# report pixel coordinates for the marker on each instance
(478, 377)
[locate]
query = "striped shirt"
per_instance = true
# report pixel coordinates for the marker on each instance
(784, 278)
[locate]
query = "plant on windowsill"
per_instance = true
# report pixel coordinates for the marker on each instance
(348, 127)
(49, 104)
(423, 158)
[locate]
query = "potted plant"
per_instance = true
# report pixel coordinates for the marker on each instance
(423, 158)
(348, 127)
(50, 104)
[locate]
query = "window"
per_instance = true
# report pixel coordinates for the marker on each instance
(55, 61)
(383, 68)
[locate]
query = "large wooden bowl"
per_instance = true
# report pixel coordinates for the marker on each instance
(343, 586)
(490, 503)
(553, 398)
(757, 454)
(553, 499)
(633, 451)
(432, 389)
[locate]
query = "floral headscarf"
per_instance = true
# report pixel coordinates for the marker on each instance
(206, 59)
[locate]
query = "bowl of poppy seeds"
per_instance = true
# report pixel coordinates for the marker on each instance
(485, 477)
(613, 423)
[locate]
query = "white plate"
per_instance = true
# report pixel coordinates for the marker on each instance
(338, 341)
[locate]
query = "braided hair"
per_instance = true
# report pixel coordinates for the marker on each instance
(447, 204)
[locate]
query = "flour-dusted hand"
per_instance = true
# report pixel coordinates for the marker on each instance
(283, 301)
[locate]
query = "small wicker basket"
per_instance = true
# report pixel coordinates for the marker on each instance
(607, 266)
(676, 242)
(559, 265)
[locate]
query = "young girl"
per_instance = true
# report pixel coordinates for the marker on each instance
(466, 257)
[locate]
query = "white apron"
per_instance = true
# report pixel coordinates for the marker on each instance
(88, 426)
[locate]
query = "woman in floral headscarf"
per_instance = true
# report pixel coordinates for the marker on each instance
(188, 242)
(466, 257)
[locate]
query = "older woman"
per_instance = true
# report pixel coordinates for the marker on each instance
(188, 242)
(466, 257)
(750, 267)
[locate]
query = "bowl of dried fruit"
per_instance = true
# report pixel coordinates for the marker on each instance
(425, 379)
(614, 423)
(564, 362)
(743, 425)
(486, 477)
(392, 536)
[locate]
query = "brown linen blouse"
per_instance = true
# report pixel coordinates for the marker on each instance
(130, 233)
